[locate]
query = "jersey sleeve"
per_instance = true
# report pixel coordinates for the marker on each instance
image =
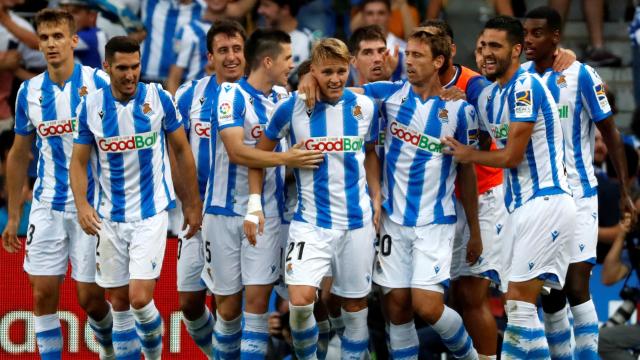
(101, 79)
(280, 123)
(475, 87)
(381, 90)
(23, 125)
(374, 127)
(592, 91)
(172, 119)
(184, 98)
(467, 129)
(231, 107)
(83, 135)
(525, 100)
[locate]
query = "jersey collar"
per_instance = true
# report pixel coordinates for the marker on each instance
(75, 76)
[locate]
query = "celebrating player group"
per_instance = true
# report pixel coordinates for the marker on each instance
(450, 181)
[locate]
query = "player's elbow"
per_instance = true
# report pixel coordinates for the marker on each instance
(512, 160)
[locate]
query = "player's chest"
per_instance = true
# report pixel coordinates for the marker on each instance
(564, 89)
(340, 121)
(53, 112)
(120, 128)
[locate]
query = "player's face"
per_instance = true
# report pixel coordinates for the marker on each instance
(217, 5)
(421, 66)
(539, 40)
(599, 149)
(332, 76)
(479, 58)
(370, 60)
(124, 72)
(281, 66)
(228, 57)
(82, 15)
(270, 11)
(376, 13)
(497, 52)
(56, 42)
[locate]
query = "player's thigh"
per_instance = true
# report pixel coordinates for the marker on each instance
(82, 251)
(112, 256)
(190, 262)
(260, 263)
(308, 254)
(148, 238)
(582, 246)
(222, 253)
(47, 244)
(393, 266)
(432, 256)
(354, 258)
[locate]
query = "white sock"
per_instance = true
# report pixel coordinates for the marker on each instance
(324, 331)
(201, 331)
(355, 341)
(255, 336)
(337, 325)
(558, 333)
(48, 336)
(524, 337)
(126, 343)
(304, 331)
(149, 329)
(403, 339)
(585, 330)
(102, 332)
(454, 335)
(227, 336)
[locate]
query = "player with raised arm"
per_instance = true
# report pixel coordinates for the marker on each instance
(332, 227)
(233, 263)
(580, 95)
(195, 101)
(519, 112)
(126, 127)
(46, 111)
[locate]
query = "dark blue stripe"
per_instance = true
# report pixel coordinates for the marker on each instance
(51, 333)
(514, 352)
(202, 47)
(455, 339)
(533, 169)
(549, 121)
(305, 334)
(151, 343)
(228, 339)
(305, 352)
(576, 138)
(354, 346)
(142, 124)
(150, 326)
(255, 336)
(586, 329)
(170, 24)
(404, 353)
(116, 160)
(352, 169)
(540, 353)
(558, 337)
(124, 336)
(146, 46)
(226, 355)
(318, 124)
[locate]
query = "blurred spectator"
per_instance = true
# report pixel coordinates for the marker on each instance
(90, 50)
(281, 15)
(402, 19)
(319, 16)
(377, 12)
(634, 35)
(435, 7)
(16, 25)
(593, 11)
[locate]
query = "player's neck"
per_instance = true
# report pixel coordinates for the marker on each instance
(448, 75)
(288, 25)
(211, 16)
(541, 65)
(431, 88)
(60, 74)
(122, 97)
(220, 79)
(504, 79)
(259, 80)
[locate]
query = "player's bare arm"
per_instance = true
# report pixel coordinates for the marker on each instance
(563, 59)
(469, 198)
(372, 169)
(188, 190)
(174, 78)
(87, 216)
(508, 157)
(248, 156)
(611, 137)
(17, 164)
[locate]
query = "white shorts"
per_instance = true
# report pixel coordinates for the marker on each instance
(281, 287)
(492, 215)
(582, 247)
(231, 262)
(414, 257)
(312, 250)
(190, 263)
(542, 229)
(130, 250)
(53, 239)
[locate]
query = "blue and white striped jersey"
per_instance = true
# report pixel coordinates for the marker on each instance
(334, 196)
(241, 105)
(49, 110)
(526, 98)
(418, 179)
(195, 99)
(190, 47)
(162, 18)
(129, 140)
(579, 93)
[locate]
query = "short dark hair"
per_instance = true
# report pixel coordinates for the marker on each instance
(439, 45)
(554, 20)
(442, 26)
(513, 27)
(121, 44)
(387, 3)
(365, 33)
(294, 5)
(230, 28)
(263, 43)
(55, 16)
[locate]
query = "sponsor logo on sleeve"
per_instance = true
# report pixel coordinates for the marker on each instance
(57, 127)
(601, 96)
(120, 144)
(202, 129)
(472, 136)
(328, 144)
(523, 104)
(421, 141)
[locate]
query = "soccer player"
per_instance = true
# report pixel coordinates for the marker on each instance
(242, 111)
(519, 112)
(126, 127)
(46, 112)
(195, 100)
(332, 227)
(580, 95)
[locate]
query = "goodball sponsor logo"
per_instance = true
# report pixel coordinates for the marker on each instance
(119, 144)
(56, 127)
(335, 144)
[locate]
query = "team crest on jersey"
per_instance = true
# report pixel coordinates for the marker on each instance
(523, 104)
(443, 115)
(83, 91)
(561, 81)
(146, 109)
(357, 112)
(601, 95)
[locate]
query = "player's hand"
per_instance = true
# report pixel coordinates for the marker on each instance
(297, 157)
(452, 94)
(625, 224)
(474, 249)
(275, 324)
(10, 60)
(391, 61)
(628, 207)
(192, 219)
(563, 59)
(308, 90)
(89, 219)
(461, 152)
(10, 241)
(377, 213)
(251, 229)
